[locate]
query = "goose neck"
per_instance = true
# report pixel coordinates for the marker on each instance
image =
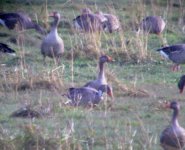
(174, 120)
(101, 72)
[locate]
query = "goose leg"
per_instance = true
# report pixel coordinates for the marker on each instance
(44, 59)
(175, 68)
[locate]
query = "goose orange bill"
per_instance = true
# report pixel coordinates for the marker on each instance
(167, 105)
(109, 92)
(110, 59)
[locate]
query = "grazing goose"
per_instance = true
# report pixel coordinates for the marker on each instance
(110, 22)
(152, 24)
(10, 20)
(5, 49)
(181, 84)
(101, 79)
(176, 53)
(87, 96)
(173, 137)
(52, 45)
(87, 22)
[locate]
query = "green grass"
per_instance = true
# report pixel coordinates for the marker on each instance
(134, 122)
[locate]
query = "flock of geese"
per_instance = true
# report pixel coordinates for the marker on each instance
(173, 137)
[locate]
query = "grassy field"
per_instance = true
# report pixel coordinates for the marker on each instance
(141, 80)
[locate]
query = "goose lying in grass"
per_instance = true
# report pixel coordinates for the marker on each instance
(173, 137)
(87, 96)
(52, 45)
(175, 53)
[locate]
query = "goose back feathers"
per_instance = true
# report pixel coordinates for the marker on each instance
(21, 20)
(87, 96)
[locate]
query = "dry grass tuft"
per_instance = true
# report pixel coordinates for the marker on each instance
(20, 81)
(125, 90)
(86, 45)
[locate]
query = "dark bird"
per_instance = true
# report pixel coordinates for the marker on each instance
(173, 137)
(4, 48)
(52, 45)
(26, 112)
(19, 20)
(181, 83)
(87, 22)
(101, 79)
(175, 53)
(87, 96)
(152, 24)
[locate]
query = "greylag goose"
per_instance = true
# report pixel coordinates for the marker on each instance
(10, 20)
(181, 84)
(87, 22)
(5, 49)
(101, 79)
(87, 96)
(173, 137)
(110, 22)
(176, 53)
(52, 45)
(152, 24)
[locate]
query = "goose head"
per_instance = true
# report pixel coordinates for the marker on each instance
(173, 105)
(56, 16)
(176, 107)
(181, 83)
(105, 58)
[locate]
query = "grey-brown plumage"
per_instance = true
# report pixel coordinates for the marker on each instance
(110, 22)
(52, 45)
(101, 79)
(22, 20)
(87, 22)
(87, 96)
(181, 83)
(152, 24)
(176, 53)
(173, 137)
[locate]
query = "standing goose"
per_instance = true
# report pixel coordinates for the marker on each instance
(110, 22)
(173, 137)
(10, 20)
(52, 45)
(87, 96)
(181, 84)
(5, 49)
(152, 24)
(101, 79)
(87, 22)
(176, 53)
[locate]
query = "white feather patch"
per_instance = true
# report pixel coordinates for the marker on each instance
(12, 54)
(2, 22)
(164, 54)
(76, 25)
